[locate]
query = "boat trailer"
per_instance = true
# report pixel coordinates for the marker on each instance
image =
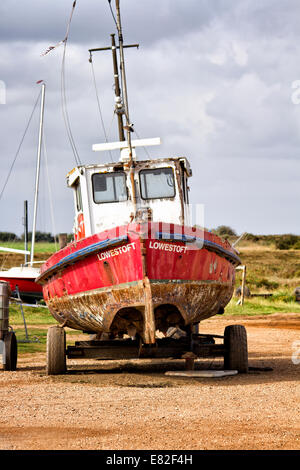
(232, 346)
(8, 340)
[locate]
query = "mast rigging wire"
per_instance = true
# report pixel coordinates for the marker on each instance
(113, 15)
(110, 126)
(121, 76)
(65, 110)
(19, 148)
(63, 88)
(145, 148)
(63, 94)
(98, 102)
(50, 191)
(50, 48)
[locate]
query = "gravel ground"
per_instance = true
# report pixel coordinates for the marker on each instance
(134, 405)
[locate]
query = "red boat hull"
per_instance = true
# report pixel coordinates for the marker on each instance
(139, 276)
(28, 288)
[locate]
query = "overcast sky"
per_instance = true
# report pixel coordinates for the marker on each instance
(212, 78)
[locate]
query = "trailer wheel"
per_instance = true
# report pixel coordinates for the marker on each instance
(236, 348)
(10, 351)
(56, 350)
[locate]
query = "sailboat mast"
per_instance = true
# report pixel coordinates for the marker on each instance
(37, 178)
(26, 230)
(123, 74)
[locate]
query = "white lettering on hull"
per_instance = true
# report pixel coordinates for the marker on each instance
(116, 251)
(167, 247)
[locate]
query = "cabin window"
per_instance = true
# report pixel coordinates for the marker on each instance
(109, 187)
(78, 197)
(157, 183)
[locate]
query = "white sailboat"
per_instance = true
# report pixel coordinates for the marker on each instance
(22, 278)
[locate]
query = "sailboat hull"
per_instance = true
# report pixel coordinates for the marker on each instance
(23, 279)
(141, 277)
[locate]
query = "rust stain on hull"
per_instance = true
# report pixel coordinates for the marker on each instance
(148, 305)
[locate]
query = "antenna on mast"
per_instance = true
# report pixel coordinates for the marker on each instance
(123, 75)
(119, 109)
(121, 103)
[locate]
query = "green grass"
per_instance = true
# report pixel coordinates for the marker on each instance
(262, 306)
(41, 317)
(37, 339)
(268, 271)
(40, 247)
(33, 316)
(37, 322)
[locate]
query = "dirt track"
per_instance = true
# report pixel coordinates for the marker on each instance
(133, 405)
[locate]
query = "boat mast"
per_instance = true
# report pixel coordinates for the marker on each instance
(123, 75)
(37, 178)
(119, 105)
(126, 109)
(26, 230)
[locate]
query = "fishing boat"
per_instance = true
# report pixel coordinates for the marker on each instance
(137, 269)
(22, 278)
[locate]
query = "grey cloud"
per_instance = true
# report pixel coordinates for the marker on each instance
(212, 79)
(92, 20)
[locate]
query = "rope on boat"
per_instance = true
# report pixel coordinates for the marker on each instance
(63, 88)
(50, 48)
(145, 148)
(63, 94)
(112, 13)
(19, 148)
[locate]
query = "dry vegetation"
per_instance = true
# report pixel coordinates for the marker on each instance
(270, 269)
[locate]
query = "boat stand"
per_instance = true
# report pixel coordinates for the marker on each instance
(19, 301)
(233, 348)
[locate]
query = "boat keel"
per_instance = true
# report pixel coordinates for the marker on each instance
(146, 306)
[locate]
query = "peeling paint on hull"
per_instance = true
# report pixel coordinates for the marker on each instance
(142, 284)
(95, 311)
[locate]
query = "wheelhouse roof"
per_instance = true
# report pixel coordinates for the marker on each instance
(75, 173)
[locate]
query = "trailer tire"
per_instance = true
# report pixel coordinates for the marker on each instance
(10, 351)
(236, 348)
(56, 350)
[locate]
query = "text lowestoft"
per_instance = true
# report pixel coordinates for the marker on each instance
(168, 247)
(153, 245)
(116, 251)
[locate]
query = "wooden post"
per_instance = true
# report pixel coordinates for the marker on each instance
(189, 358)
(242, 297)
(62, 240)
(243, 285)
(4, 308)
